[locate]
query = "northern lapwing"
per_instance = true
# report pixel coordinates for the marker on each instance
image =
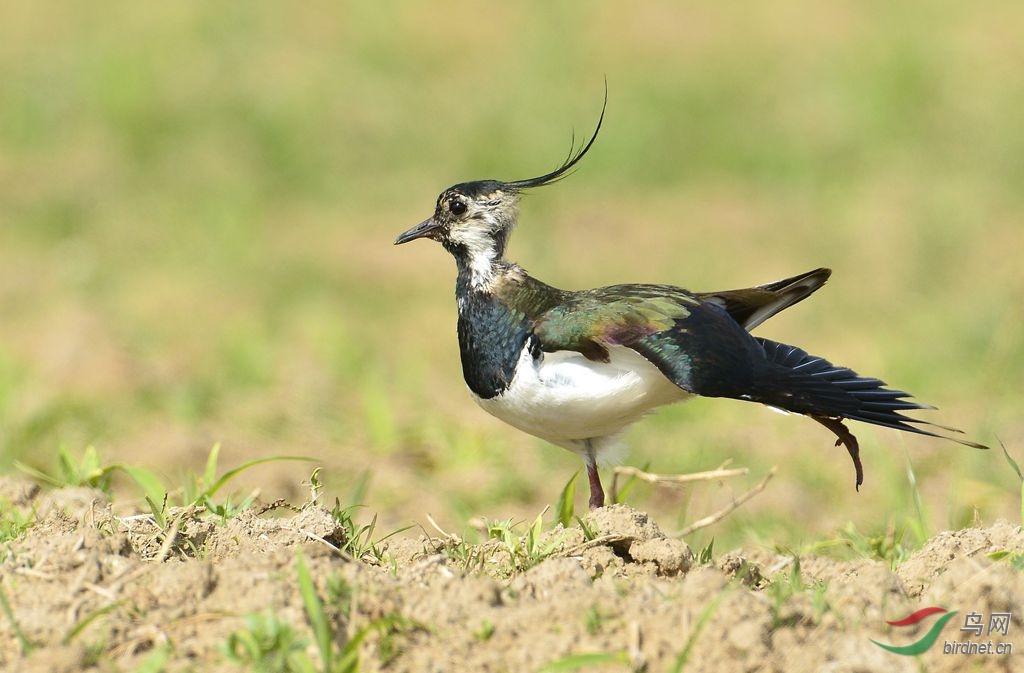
(578, 367)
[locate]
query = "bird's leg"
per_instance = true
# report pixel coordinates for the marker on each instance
(846, 438)
(596, 490)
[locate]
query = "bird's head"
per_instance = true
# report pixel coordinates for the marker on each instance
(473, 220)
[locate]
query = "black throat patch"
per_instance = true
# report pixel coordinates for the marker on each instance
(491, 339)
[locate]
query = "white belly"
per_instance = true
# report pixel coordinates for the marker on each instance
(566, 398)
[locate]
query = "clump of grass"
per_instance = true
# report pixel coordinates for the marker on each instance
(359, 542)
(890, 547)
(87, 470)
(527, 550)
(267, 644)
(197, 491)
(782, 590)
(338, 652)
(518, 551)
(14, 521)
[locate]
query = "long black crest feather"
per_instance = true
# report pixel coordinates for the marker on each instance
(570, 161)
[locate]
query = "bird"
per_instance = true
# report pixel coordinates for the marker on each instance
(577, 368)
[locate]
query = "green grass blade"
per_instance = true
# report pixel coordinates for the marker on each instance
(1020, 475)
(158, 513)
(152, 488)
(315, 613)
(210, 472)
(565, 507)
(1011, 461)
(26, 645)
(918, 524)
(69, 471)
(576, 662)
(38, 475)
(231, 474)
(707, 553)
(357, 494)
(702, 621)
(87, 620)
(630, 483)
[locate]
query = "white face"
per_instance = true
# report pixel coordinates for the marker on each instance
(466, 208)
(472, 220)
(474, 224)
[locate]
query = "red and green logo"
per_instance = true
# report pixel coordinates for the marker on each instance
(929, 638)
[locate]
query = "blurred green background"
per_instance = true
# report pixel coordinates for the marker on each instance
(198, 202)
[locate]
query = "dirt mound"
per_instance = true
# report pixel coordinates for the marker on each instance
(89, 589)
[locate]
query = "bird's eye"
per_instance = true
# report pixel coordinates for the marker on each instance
(457, 206)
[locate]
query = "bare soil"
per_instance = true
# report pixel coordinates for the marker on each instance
(93, 590)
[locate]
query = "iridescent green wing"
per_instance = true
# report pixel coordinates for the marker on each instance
(589, 322)
(696, 344)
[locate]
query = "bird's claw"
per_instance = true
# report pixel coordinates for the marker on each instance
(845, 437)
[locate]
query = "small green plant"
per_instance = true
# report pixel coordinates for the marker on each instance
(267, 645)
(593, 620)
(486, 630)
(468, 556)
(200, 490)
(13, 521)
(782, 591)
(1014, 558)
(85, 471)
(358, 538)
(820, 601)
(524, 551)
(343, 657)
(706, 556)
(197, 491)
(588, 532)
(359, 542)
(888, 547)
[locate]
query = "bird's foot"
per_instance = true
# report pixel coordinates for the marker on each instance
(845, 438)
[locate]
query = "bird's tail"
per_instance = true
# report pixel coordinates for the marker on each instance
(807, 384)
(802, 383)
